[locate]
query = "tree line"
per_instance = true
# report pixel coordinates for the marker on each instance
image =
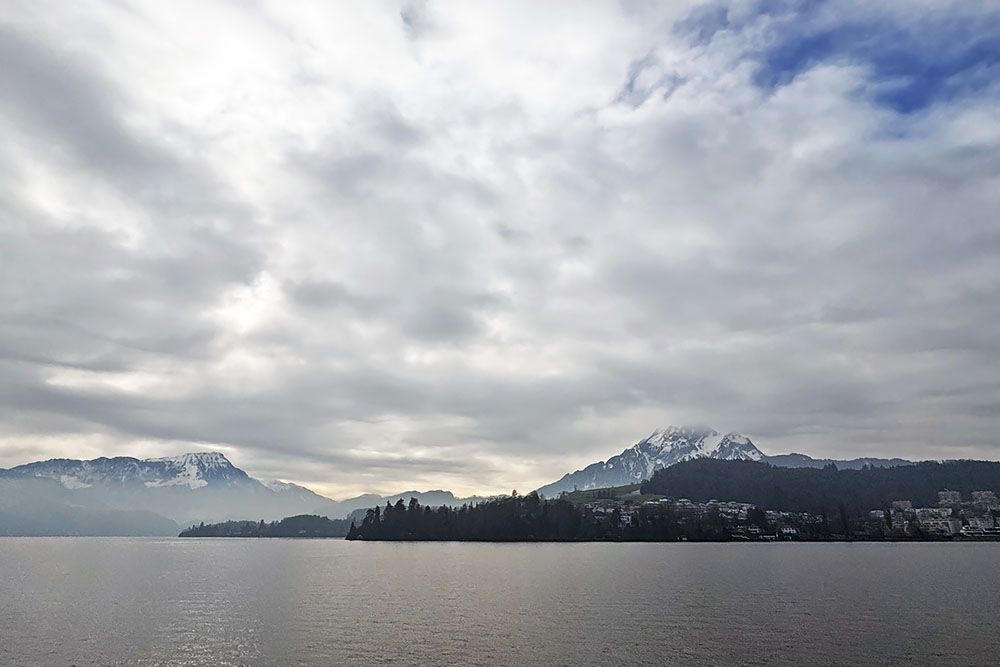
(531, 518)
(303, 525)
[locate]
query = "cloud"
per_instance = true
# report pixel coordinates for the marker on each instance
(911, 59)
(445, 245)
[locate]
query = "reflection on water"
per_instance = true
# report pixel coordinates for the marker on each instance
(169, 601)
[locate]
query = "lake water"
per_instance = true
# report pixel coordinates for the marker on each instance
(282, 602)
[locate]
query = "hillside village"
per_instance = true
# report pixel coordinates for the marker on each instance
(954, 517)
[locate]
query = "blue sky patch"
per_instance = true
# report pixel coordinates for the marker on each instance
(918, 67)
(912, 65)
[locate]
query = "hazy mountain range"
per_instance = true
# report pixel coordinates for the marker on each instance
(129, 496)
(674, 444)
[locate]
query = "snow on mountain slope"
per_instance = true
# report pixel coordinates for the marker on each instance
(299, 493)
(193, 471)
(663, 447)
(201, 486)
(279, 486)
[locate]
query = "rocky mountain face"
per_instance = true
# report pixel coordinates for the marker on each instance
(664, 447)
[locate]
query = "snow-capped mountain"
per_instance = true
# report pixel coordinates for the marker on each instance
(200, 486)
(193, 471)
(116, 494)
(664, 447)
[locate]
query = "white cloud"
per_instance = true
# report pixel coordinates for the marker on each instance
(475, 246)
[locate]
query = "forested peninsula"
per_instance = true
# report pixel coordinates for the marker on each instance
(304, 525)
(713, 500)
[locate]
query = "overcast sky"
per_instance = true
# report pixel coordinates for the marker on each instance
(376, 246)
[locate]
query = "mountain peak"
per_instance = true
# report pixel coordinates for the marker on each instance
(680, 443)
(662, 448)
(201, 459)
(193, 470)
(683, 430)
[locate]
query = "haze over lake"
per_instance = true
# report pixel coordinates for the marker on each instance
(89, 601)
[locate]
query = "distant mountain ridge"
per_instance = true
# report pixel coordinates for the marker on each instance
(114, 495)
(194, 470)
(675, 444)
(128, 496)
(795, 460)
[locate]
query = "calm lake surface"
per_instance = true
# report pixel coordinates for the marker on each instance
(280, 602)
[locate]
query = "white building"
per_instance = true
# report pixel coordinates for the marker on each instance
(983, 522)
(927, 513)
(941, 526)
(948, 498)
